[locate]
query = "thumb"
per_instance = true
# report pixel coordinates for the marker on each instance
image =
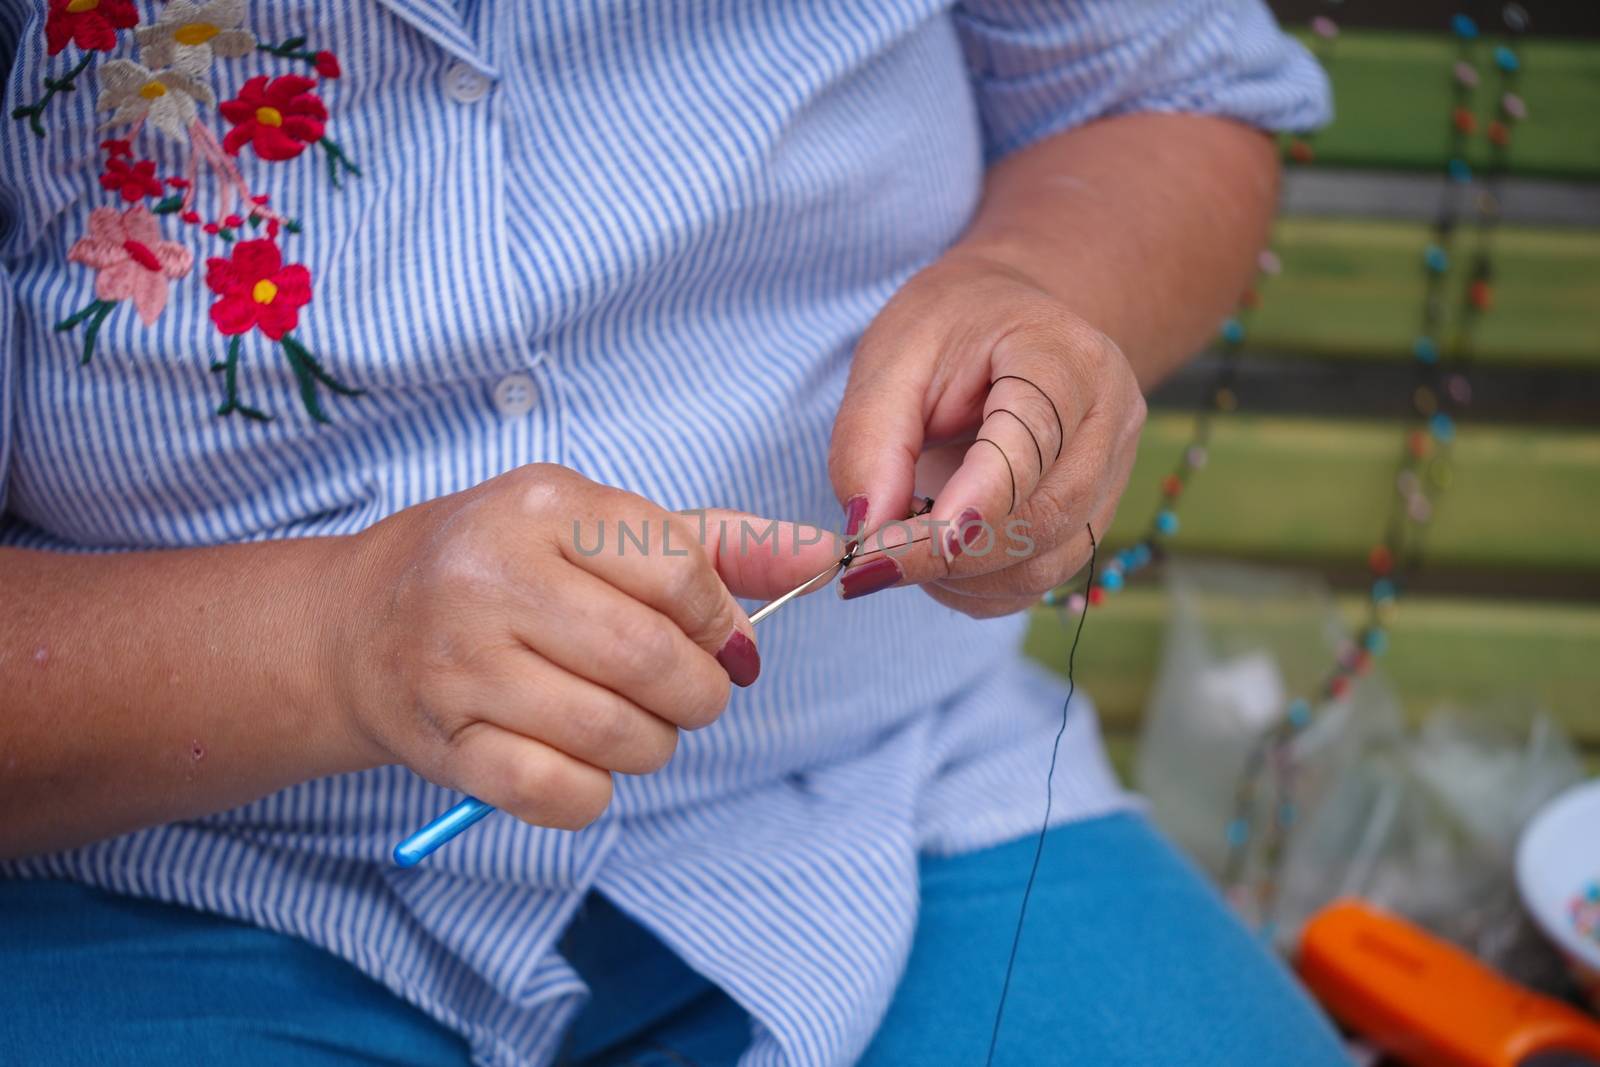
(877, 437)
(761, 559)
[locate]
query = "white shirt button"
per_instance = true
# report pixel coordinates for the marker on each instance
(465, 85)
(514, 395)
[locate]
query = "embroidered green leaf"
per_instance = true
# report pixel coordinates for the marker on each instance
(231, 403)
(169, 205)
(52, 86)
(308, 372)
(93, 331)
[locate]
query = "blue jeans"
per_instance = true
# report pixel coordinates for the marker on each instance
(1127, 958)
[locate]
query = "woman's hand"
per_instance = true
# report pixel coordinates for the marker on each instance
(977, 388)
(515, 641)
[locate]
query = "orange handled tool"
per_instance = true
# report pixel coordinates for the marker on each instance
(1429, 1004)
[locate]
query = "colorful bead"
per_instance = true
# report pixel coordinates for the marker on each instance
(1383, 589)
(1514, 107)
(1463, 27)
(1232, 331)
(1076, 603)
(1195, 457)
(1406, 482)
(1111, 581)
(1443, 427)
(1376, 640)
(1051, 598)
(1363, 662)
(1435, 259)
(1418, 445)
(1250, 300)
(1419, 509)
(1299, 713)
(1225, 400)
(1325, 27)
(1300, 151)
(1466, 74)
(1141, 554)
(1338, 686)
(1458, 170)
(1167, 521)
(1425, 349)
(1097, 595)
(1499, 134)
(1459, 388)
(1506, 60)
(1238, 832)
(1380, 559)
(1464, 120)
(1171, 485)
(1269, 263)
(1480, 295)
(1424, 400)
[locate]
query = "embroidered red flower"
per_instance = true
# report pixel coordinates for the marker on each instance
(90, 24)
(327, 64)
(257, 290)
(278, 117)
(133, 181)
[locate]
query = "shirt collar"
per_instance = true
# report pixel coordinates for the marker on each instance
(440, 21)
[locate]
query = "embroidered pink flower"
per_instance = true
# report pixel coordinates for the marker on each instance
(133, 182)
(90, 24)
(279, 118)
(257, 290)
(130, 260)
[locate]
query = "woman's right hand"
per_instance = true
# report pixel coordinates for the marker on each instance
(489, 646)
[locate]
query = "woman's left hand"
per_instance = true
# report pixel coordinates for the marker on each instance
(977, 388)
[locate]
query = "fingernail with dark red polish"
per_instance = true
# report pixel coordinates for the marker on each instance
(855, 513)
(739, 658)
(968, 526)
(869, 577)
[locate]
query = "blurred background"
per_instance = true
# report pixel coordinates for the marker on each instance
(1349, 641)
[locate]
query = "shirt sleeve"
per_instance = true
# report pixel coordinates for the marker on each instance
(1042, 66)
(8, 376)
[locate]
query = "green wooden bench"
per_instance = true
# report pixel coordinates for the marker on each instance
(1512, 596)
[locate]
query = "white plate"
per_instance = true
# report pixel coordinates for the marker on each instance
(1558, 856)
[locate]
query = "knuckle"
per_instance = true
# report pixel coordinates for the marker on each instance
(1039, 575)
(585, 800)
(703, 700)
(605, 728)
(658, 751)
(642, 649)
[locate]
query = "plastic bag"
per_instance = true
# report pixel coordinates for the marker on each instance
(1241, 642)
(1424, 824)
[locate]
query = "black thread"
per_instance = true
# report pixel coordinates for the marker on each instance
(1049, 797)
(1031, 435)
(1061, 427)
(1009, 472)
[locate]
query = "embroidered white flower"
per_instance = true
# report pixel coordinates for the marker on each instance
(167, 98)
(187, 36)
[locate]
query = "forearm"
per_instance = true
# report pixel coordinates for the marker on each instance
(1145, 226)
(144, 687)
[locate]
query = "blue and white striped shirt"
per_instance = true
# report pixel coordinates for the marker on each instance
(635, 237)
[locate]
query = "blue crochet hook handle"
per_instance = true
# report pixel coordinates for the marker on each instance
(428, 840)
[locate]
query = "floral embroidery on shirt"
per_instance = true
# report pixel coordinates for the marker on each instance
(131, 262)
(277, 117)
